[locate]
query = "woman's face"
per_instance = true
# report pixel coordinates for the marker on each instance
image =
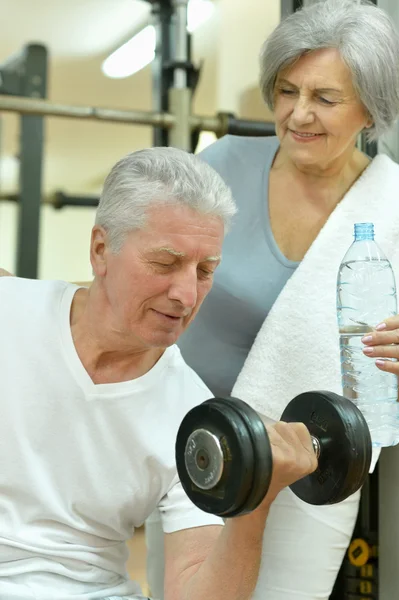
(318, 114)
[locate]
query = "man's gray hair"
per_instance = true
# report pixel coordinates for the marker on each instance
(366, 40)
(159, 176)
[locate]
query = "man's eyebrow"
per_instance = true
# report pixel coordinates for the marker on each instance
(174, 252)
(213, 259)
(169, 251)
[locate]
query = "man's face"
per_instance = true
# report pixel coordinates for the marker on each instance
(157, 283)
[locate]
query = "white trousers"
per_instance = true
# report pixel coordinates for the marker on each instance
(303, 548)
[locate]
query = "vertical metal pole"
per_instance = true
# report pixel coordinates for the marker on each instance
(181, 50)
(31, 161)
(161, 77)
(180, 94)
(30, 194)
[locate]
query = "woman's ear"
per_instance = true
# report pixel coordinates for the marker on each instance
(369, 122)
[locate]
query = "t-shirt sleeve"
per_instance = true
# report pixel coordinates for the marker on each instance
(178, 512)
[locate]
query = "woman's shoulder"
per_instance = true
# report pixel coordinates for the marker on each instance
(236, 150)
(385, 166)
(387, 161)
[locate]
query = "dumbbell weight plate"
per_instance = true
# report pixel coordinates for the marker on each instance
(263, 459)
(345, 446)
(214, 448)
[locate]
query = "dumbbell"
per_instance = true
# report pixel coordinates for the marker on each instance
(224, 458)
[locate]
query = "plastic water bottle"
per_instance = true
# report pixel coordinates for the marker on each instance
(366, 295)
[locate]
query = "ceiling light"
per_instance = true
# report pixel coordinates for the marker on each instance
(139, 51)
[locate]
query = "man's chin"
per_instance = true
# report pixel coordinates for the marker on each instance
(163, 340)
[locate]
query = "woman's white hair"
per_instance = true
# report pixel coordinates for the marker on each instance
(366, 39)
(159, 176)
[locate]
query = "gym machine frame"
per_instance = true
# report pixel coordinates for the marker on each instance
(23, 86)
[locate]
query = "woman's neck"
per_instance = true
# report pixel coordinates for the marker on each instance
(321, 184)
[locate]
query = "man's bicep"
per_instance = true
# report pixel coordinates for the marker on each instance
(175, 514)
(185, 551)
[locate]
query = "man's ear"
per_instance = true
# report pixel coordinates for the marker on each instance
(98, 250)
(4, 273)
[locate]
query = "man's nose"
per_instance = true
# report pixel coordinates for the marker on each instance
(184, 288)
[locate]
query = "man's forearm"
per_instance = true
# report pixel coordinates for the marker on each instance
(230, 572)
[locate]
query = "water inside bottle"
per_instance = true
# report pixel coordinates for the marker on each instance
(374, 391)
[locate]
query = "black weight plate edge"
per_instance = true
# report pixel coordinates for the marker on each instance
(263, 458)
(203, 416)
(351, 480)
(241, 508)
(196, 418)
(356, 445)
(199, 417)
(313, 488)
(359, 440)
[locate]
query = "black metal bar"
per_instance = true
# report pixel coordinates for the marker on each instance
(10, 82)
(30, 183)
(234, 126)
(34, 67)
(60, 200)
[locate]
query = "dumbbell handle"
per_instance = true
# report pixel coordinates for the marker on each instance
(315, 440)
(203, 449)
(316, 446)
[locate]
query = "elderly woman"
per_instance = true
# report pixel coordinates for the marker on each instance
(329, 72)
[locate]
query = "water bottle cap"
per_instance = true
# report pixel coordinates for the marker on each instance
(364, 231)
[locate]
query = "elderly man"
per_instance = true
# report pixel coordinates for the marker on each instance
(93, 389)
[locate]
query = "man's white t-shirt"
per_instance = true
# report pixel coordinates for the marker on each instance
(82, 464)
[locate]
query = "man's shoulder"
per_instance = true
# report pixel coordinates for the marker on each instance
(19, 292)
(12, 283)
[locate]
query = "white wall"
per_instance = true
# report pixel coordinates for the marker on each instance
(64, 245)
(64, 241)
(7, 235)
(243, 28)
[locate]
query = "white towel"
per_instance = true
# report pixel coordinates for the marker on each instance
(297, 347)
